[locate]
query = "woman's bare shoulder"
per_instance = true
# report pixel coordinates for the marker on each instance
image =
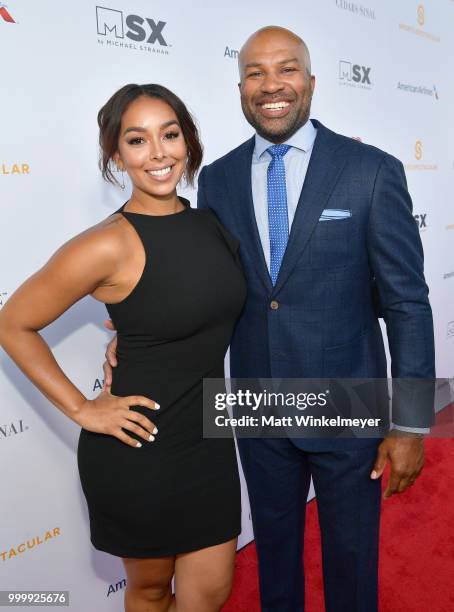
(106, 236)
(81, 265)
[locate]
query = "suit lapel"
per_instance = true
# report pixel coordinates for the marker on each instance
(238, 174)
(323, 172)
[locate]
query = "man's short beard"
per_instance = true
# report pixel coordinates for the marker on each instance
(283, 134)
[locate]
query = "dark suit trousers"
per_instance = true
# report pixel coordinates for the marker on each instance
(278, 477)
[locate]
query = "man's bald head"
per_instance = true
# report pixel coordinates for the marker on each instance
(276, 84)
(273, 35)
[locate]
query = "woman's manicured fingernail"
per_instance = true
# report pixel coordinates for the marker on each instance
(155, 430)
(151, 438)
(156, 406)
(138, 444)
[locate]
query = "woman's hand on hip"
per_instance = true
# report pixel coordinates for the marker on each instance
(111, 415)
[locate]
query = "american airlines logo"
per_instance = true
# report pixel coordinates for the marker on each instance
(122, 30)
(5, 13)
(419, 89)
(98, 385)
(114, 588)
(232, 53)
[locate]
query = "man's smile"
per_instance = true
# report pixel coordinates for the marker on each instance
(275, 108)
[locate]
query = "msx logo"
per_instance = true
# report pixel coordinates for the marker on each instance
(421, 220)
(354, 72)
(111, 22)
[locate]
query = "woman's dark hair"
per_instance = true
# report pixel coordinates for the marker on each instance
(109, 121)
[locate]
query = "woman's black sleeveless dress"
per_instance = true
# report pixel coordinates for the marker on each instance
(181, 492)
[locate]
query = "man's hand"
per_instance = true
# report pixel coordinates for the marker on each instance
(405, 451)
(111, 357)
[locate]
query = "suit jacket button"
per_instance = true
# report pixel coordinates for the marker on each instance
(274, 305)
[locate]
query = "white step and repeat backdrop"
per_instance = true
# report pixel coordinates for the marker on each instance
(384, 75)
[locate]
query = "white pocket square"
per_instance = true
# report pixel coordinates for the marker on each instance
(333, 214)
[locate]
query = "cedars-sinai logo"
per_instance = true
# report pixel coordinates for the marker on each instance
(120, 30)
(5, 14)
(13, 428)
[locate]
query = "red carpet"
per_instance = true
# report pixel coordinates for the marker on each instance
(417, 547)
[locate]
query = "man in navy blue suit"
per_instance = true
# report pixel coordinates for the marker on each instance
(325, 227)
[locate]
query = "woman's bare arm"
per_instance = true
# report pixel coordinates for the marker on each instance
(77, 269)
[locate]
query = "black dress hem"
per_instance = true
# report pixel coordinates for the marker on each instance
(155, 554)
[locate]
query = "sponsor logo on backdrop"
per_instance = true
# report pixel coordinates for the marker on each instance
(356, 9)
(354, 75)
(421, 14)
(420, 21)
(418, 157)
(419, 89)
(29, 544)
(418, 149)
(131, 31)
(421, 220)
(358, 138)
(5, 14)
(448, 275)
(7, 169)
(3, 297)
(118, 586)
(232, 53)
(11, 429)
(450, 330)
(98, 385)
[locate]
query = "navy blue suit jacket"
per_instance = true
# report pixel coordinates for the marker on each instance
(335, 276)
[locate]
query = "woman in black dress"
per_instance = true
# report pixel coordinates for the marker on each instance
(159, 495)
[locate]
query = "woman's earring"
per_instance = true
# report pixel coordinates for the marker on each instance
(184, 176)
(122, 184)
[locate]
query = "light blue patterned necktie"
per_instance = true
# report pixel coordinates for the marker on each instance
(277, 208)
